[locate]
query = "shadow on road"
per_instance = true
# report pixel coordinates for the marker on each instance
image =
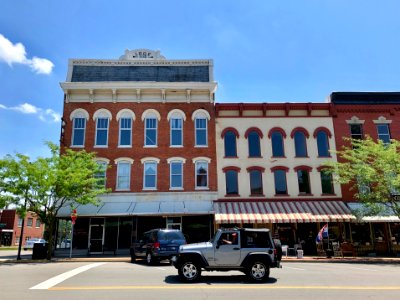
(218, 279)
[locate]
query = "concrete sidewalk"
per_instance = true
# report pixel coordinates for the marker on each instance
(10, 256)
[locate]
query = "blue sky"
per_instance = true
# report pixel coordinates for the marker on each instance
(263, 51)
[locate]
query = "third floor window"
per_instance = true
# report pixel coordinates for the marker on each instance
(150, 132)
(176, 131)
(383, 133)
(102, 131)
(125, 132)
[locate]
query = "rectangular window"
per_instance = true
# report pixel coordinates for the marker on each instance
(176, 132)
(125, 132)
(383, 133)
(29, 223)
(123, 177)
(256, 187)
(101, 176)
(304, 182)
(101, 132)
(78, 133)
(20, 222)
(37, 223)
(151, 132)
(201, 132)
(201, 174)
(356, 131)
(280, 182)
(231, 178)
(327, 183)
(176, 174)
(150, 175)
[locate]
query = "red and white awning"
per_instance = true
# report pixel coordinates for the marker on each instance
(281, 212)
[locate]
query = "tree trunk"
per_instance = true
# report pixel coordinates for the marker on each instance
(51, 235)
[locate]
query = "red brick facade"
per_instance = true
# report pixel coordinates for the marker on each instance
(163, 151)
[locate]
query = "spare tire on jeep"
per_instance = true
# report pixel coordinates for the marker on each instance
(278, 247)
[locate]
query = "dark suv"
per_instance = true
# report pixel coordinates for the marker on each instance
(157, 244)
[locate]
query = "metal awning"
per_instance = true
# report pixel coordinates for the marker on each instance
(281, 212)
(387, 215)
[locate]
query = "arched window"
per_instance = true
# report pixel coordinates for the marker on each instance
(78, 118)
(176, 172)
(277, 144)
(150, 118)
(102, 118)
(201, 172)
(300, 144)
(125, 119)
(200, 118)
(323, 144)
(231, 180)
(123, 174)
(256, 185)
(230, 142)
(280, 180)
(176, 118)
(253, 136)
(150, 172)
(303, 179)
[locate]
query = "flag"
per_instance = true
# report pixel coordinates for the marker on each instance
(322, 233)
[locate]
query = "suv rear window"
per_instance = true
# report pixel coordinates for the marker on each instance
(170, 235)
(252, 239)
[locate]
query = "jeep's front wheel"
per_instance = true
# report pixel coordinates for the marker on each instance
(258, 271)
(189, 271)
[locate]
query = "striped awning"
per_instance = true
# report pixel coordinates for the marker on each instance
(281, 212)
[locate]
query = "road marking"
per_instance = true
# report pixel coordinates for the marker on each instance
(362, 269)
(221, 287)
(161, 269)
(45, 285)
(293, 268)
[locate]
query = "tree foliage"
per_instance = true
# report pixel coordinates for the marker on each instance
(371, 169)
(45, 185)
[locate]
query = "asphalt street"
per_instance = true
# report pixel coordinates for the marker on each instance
(123, 280)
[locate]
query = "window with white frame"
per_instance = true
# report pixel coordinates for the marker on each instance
(78, 131)
(176, 174)
(125, 131)
(102, 118)
(20, 222)
(150, 131)
(123, 175)
(201, 174)
(176, 125)
(101, 175)
(38, 223)
(383, 133)
(30, 222)
(150, 175)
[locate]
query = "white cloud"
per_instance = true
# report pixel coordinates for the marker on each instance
(15, 54)
(45, 115)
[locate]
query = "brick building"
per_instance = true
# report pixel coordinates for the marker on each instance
(376, 114)
(151, 121)
(10, 230)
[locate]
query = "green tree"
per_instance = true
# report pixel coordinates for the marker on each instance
(46, 185)
(371, 169)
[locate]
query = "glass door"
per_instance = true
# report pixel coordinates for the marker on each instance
(96, 235)
(174, 223)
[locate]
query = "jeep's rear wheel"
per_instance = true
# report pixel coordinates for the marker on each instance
(258, 271)
(189, 271)
(150, 259)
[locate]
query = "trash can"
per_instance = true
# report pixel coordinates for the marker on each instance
(39, 250)
(300, 253)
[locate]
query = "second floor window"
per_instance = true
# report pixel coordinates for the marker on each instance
(37, 223)
(123, 175)
(280, 182)
(176, 131)
(356, 131)
(150, 175)
(231, 178)
(256, 186)
(102, 131)
(383, 133)
(150, 132)
(303, 180)
(326, 183)
(78, 133)
(101, 176)
(30, 222)
(176, 170)
(20, 222)
(201, 174)
(125, 132)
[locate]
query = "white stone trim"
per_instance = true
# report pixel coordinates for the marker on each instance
(201, 158)
(148, 159)
(126, 111)
(180, 159)
(201, 111)
(382, 120)
(176, 112)
(151, 111)
(79, 112)
(102, 113)
(102, 159)
(119, 159)
(355, 120)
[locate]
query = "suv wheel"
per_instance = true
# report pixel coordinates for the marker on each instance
(189, 271)
(133, 258)
(150, 259)
(258, 271)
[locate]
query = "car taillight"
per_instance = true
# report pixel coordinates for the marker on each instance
(157, 245)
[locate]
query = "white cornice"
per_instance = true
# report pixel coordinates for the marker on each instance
(144, 62)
